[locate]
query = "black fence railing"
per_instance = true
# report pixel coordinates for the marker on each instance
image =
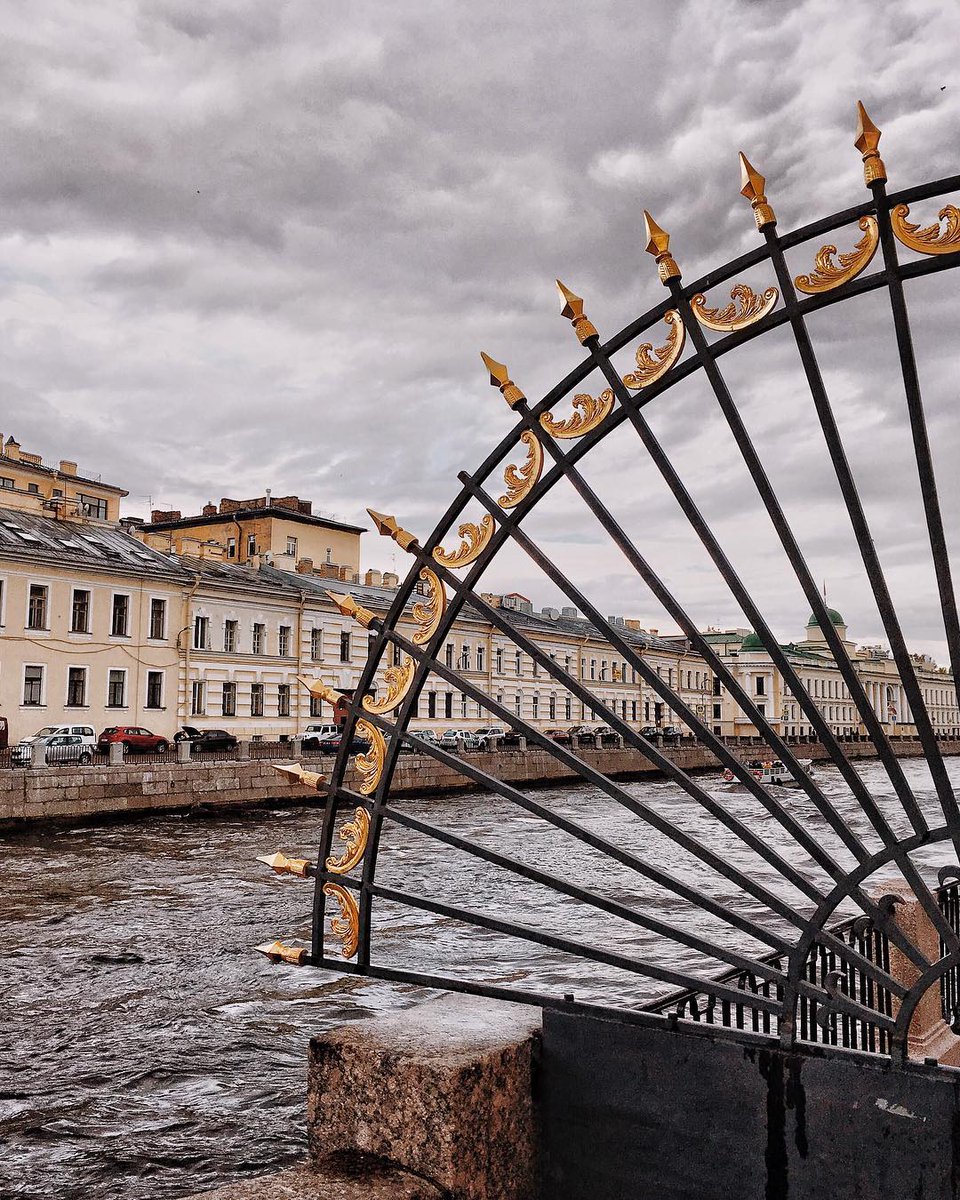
(948, 897)
(837, 1029)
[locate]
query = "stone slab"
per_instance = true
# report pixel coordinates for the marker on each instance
(444, 1090)
(360, 1181)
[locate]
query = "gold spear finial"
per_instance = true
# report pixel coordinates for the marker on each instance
(286, 866)
(658, 244)
(388, 527)
(350, 608)
(316, 687)
(573, 310)
(295, 773)
(500, 378)
(868, 139)
(278, 952)
(752, 184)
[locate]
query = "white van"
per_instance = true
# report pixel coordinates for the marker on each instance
(313, 735)
(84, 732)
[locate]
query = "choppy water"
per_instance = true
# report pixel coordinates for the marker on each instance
(146, 1053)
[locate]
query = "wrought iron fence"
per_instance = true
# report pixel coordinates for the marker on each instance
(948, 897)
(825, 967)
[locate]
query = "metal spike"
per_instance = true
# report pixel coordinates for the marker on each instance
(279, 862)
(658, 244)
(752, 185)
(573, 310)
(316, 687)
(500, 378)
(867, 141)
(350, 608)
(387, 526)
(278, 952)
(296, 773)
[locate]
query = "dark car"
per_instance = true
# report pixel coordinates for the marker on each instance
(206, 739)
(131, 737)
(672, 733)
(649, 731)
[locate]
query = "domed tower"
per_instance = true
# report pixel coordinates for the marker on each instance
(815, 636)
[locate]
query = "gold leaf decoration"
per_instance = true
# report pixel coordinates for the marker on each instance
(346, 927)
(354, 834)
(829, 274)
(398, 679)
(278, 952)
(588, 413)
(475, 538)
(746, 308)
(653, 364)
(930, 239)
(429, 614)
(521, 480)
(370, 763)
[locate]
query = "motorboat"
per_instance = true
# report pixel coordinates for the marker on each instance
(770, 770)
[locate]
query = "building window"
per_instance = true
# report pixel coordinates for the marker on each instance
(197, 697)
(32, 686)
(37, 607)
(316, 706)
(76, 687)
(716, 686)
(283, 648)
(593, 668)
(116, 689)
(465, 658)
(552, 710)
(717, 712)
(283, 700)
(154, 689)
(431, 704)
(603, 669)
(761, 685)
(158, 619)
(228, 700)
(120, 617)
(463, 706)
(231, 547)
(633, 710)
(256, 699)
(292, 546)
(6, 481)
(371, 644)
(448, 705)
(316, 644)
(259, 638)
(480, 658)
(499, 662)
(396, 655)
(344, 645)
(448, 654)
(536, 707)
(518, 662)
(518, 700)
(80, 612)
(92, 506)
(251, 545)
(762, 710)
(567, 708)
(230, 632)
(201, 633)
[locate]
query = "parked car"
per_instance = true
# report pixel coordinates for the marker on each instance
(313, 735)
(423, 735)
(649, 731)
(331, 745)
(561, 736)
(131, 737)
(459, 739)
(60, 749)
(488, 733)
(206, 739)
(672, 733)
(84, 732)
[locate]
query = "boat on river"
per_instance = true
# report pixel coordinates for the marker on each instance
(770, 770)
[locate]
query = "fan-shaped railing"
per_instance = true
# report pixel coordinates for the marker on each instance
(806, 972)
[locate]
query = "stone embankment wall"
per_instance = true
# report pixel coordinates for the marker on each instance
(66, 794)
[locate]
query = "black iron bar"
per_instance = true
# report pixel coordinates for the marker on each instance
(861, 529)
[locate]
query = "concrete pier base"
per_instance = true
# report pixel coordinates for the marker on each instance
(367, 1181)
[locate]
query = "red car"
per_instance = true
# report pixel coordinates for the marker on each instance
(131, 737)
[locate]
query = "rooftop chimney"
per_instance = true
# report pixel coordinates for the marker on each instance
(305, 566)
(12, 449)
(67, 467)
(160, 514)
(210, 509)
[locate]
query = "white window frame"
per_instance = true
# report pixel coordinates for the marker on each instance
(163, 690)
(32, 583)
(113, 600)
(86, 684)
(42, 667)
(126, 683)
(89, 629)
(166, 619)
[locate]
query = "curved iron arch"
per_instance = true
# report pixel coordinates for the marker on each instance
(801, 982)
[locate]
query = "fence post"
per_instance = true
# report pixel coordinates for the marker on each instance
(296, 746)
(243, 750)
(521, 744)
(38, 755)
(115, 754)
(183, 751)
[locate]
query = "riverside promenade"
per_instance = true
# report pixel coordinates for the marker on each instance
(145, 786)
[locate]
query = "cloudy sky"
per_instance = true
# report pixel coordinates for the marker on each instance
(250, 245)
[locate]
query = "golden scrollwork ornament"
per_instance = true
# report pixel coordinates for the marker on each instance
(370, 764)
(588, 413)
(398, 679)
(474, 539)
(429, 613)
(928, 239)
(346, 927)
(828, 274)
(746, 308)
(521, 480)
(354, 835)
(654, 364)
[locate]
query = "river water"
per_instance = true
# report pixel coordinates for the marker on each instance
(146, 1053)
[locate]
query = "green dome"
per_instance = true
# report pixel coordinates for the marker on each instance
(751, 642)
(835, 619)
